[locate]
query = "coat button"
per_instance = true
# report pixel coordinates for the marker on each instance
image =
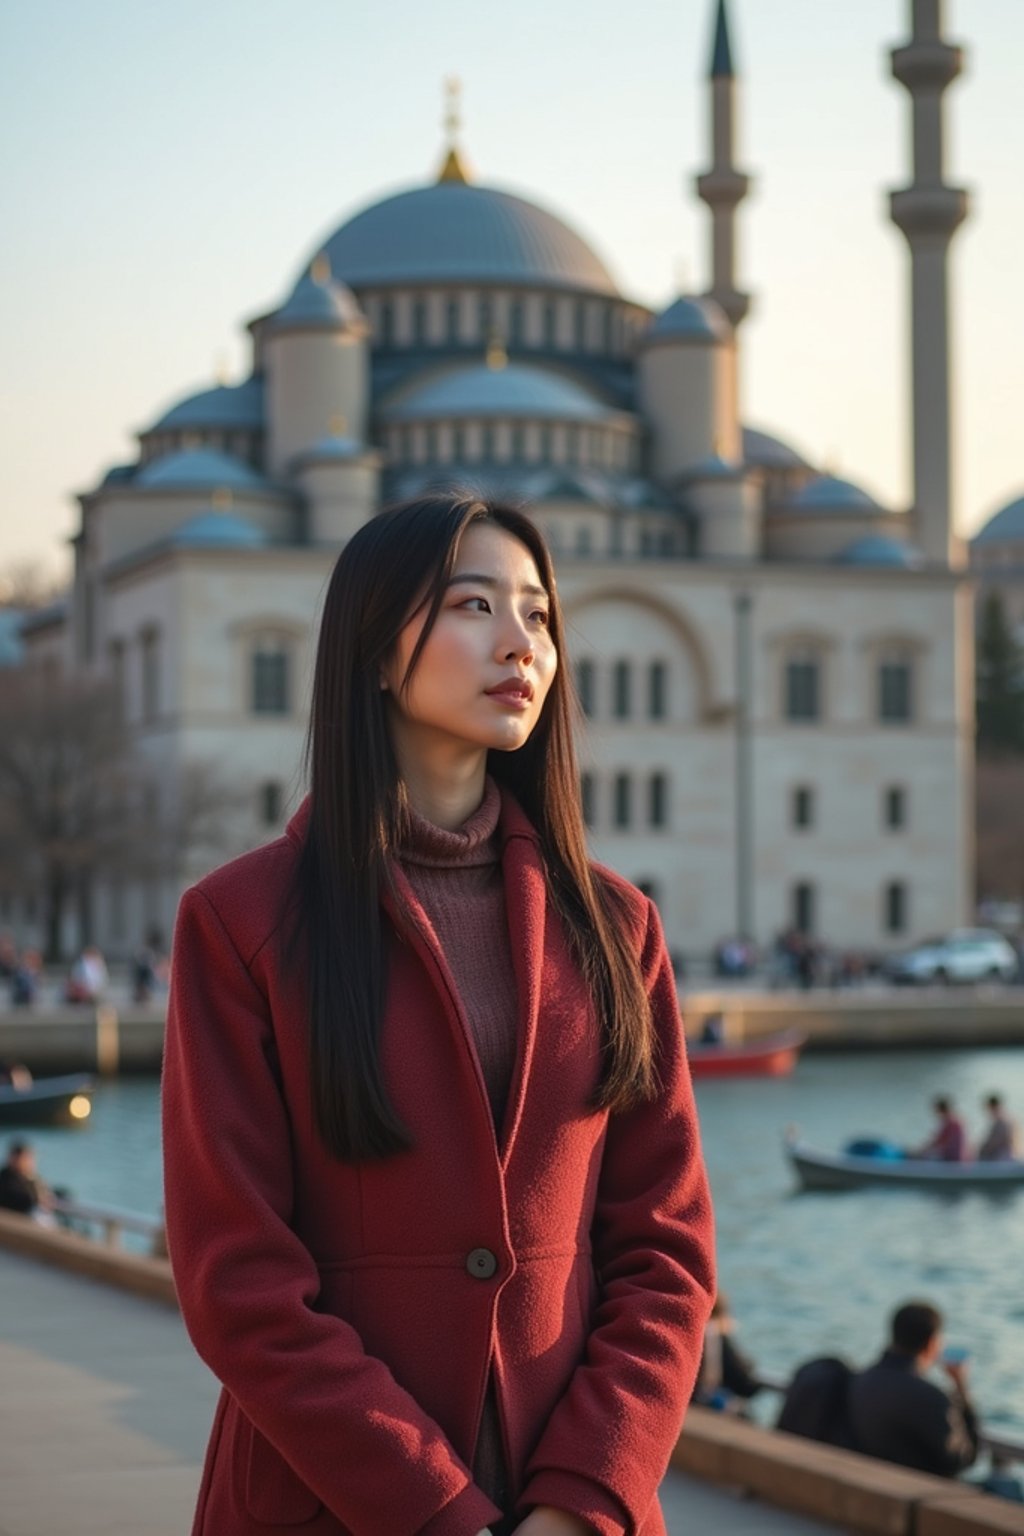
(481, 1263)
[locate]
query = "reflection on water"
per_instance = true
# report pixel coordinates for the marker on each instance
(807, 1273)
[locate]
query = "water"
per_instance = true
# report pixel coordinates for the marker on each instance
(806, 1273)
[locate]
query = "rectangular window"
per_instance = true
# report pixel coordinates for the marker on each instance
(623, 813)
(452, 321)
(895, 807)
(896, 907)
(895, 702)
(271, 801)
(150, 675)
(550, 324)
(585, 686)
(802, 702)
(657, 800)
(587, 798)
(270, 682)
(419, 322)
(803, 806)
(657, 691)
(804, 902)
(622, 690)
(117, 678)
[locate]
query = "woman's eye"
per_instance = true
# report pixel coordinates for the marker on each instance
(541, 616)
(484, 607)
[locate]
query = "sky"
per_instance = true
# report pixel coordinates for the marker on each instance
(166, 170)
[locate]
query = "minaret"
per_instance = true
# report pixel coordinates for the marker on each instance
(724, 187)
(929, 213)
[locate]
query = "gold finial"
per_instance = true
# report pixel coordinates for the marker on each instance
(320, 269)
(221, 372)
(452, 167)
(339, 425)
(497, 357)
(222, 499)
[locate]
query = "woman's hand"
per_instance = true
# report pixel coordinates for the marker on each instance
(545, 1521)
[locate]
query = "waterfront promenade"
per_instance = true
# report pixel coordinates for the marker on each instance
(106, 1409)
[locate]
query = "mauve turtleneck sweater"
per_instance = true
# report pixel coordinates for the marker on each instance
(457, 878)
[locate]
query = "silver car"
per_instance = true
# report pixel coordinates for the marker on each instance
(967, 954)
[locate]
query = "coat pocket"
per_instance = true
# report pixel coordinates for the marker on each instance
(274, 1492)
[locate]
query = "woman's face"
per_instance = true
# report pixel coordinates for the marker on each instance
(489, 661)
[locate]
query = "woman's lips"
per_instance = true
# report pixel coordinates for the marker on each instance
(515, 693)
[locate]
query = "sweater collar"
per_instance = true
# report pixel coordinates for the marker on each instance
(474, 843)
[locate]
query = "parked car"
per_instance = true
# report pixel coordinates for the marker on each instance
(967, 954)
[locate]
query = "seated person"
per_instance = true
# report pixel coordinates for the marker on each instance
(725, 1374)
(1002, 1139)
(949, 1143)
(898, 1415)
(20, 1188)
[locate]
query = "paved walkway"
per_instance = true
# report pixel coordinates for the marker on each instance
(105, 1411)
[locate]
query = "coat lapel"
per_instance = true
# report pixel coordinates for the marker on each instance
(525, 906)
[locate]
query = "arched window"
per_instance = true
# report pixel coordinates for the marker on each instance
(545, 442)
(458, 444)
(515, 323)
(451, 322)
(622, 690)
(487, 441)
(657, 800)
(518, 442)
(550, 324)
(387, 323)
(485, 317)
(579, 324)
(622, 813)
(657, 690)
(431, 442)
(894, 813)
(584, 542)
(271, 800)
(586, 686)
(149, 644)
(269, 677)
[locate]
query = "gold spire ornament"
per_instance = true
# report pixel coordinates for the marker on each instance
(453, 167)
(497, 356)
(320, 269)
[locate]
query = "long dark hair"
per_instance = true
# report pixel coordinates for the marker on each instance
(400, 560)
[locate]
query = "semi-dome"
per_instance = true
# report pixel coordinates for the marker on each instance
(119, 474)
(218, 530)
(453, 232)
(688, 319)
(226, 405)
(764, 451)
(830, 494)
(878, 551)
(1004, 527)
(519, 389)
(197, 467)
(319, 302)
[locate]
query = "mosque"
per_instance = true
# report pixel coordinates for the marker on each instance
(775, 668)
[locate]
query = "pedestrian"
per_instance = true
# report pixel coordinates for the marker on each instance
(898, 1415)
(727, 1378)
(21, 1188)
(1002, 1140)
(435, 1202)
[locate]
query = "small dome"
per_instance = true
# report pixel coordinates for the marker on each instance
(218, 530)
(516, 390)
(713, 467)
(334, 447)
(1004, 527)
(226, 405)
(700, 320)
(764, 451)
(827, 493)
(198, 467)
(876, 550)
(318, 303)
(456, 233)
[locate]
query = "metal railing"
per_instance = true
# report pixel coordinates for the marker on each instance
(109, 1224)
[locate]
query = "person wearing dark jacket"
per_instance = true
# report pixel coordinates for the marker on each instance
(726, 1374)
(899, 1416)
(19, 1187)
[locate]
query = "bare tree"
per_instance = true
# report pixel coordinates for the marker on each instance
(1000, 828)
(28, 584)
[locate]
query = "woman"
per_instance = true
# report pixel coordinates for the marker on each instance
(435, 1200)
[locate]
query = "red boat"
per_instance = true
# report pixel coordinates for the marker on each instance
(771, 1056)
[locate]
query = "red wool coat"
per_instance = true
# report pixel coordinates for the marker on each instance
(354, 1312)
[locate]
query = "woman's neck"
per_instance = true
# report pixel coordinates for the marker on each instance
(448, 794)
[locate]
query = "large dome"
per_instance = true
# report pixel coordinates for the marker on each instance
(453, 232)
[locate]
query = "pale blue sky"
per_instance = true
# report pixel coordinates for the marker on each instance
(166, 169)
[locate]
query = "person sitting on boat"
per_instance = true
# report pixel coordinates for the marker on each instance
(949, 1143)
(21, 1189)
(726, 1378)
(1002, 1141)
(898, 1415)
(14, 1075)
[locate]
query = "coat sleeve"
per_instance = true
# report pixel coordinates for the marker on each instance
(248, 1286)
(607, 1444)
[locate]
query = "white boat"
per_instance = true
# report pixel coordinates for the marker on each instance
(883, 1169)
